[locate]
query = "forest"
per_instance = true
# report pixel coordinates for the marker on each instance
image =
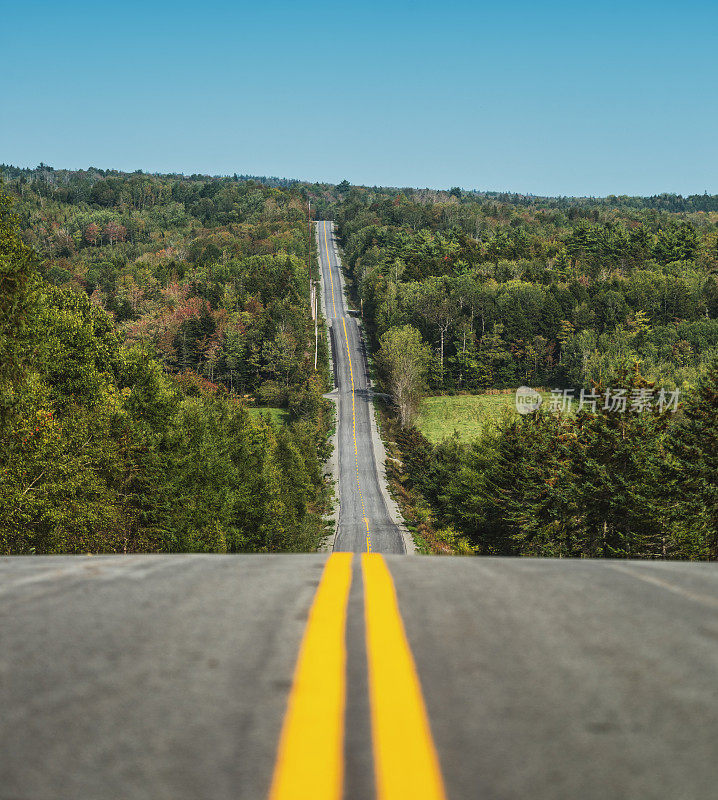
(467, 292)
(511, 295)
(144, 317)
(148, 320)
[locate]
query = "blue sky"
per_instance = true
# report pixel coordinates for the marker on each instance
(542, 97)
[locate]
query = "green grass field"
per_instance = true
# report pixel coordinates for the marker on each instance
(279, 415)
(467, 414)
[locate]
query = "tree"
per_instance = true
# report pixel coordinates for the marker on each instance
(404, 359)
(92, 233)
(694, 444)
(115, 232)
(619, 469)
(431, 301)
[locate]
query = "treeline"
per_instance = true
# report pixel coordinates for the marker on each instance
(508, 295)
(661, 202)
(46, 174)
(135, 313)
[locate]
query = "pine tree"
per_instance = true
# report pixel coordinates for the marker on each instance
(694, 445)
(620, 469)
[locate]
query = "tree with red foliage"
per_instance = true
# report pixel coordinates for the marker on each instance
(92, 233)
(115, 232)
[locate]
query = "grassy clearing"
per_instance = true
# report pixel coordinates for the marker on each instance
(468, 415)
(278, 415)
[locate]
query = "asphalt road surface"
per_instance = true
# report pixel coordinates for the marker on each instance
(365, 522)
(169, 678)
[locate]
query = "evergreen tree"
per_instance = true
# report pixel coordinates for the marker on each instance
(694, 445)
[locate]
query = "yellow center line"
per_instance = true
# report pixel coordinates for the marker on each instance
(310, 758)
(405, 759)
(351, 375)
(329, 264)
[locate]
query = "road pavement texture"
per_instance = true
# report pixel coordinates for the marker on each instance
(178, 678)
(365, 522)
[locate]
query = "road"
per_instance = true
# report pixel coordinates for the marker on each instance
(168, 678)
(365, 517)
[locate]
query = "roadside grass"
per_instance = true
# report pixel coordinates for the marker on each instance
(278, 415)
(469, 415)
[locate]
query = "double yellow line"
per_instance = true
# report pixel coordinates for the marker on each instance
(310, 760)
(351, 375)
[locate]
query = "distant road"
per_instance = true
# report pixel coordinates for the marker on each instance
(168, 678)
(365, 522)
